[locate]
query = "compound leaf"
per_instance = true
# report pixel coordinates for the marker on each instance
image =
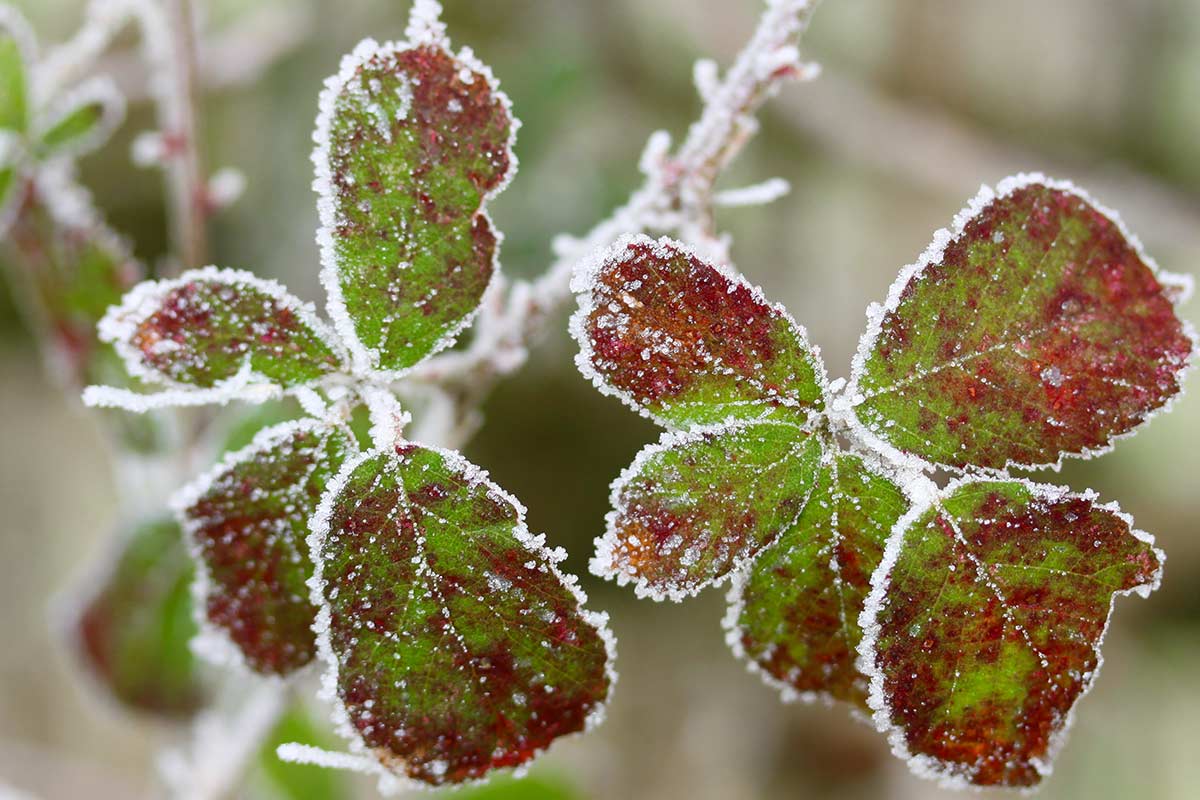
(134, 626)
(455, 644)
(984, 624)
(794, 611)
(219, 329)
(693, 507)
(1037, 329)
(411, 143)
(247, 521)
(680, 340)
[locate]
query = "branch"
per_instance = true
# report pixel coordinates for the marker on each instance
(186, 183)
(677, 196)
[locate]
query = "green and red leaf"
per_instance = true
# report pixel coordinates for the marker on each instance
(1037, 329)
(695, 506)
(455, 644)
(794, 612)
(687, 343)
(223, 330)
(412, 141)
(133, 628)
(247, 522)
(984, 624)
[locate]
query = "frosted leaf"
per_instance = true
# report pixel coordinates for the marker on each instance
(131, 628)
(81, 120)
(454, 644)
(794, 611)
(984, 624)
(684, 342)
(693, 507)
(1036, 329)
(411, 143)
(247, 522)
(212, 327)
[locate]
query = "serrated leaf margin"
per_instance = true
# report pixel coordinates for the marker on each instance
(915, 488)
(670, 440)
(212, 642)
(335, 304)
(1179, 286)
(924, 766)
(584, 279)
(140, 302)
(360, 754)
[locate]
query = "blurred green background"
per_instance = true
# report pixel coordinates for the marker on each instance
(920, 102)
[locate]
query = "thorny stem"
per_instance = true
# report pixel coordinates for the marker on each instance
(676, 196)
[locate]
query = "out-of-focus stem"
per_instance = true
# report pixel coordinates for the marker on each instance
(185, 172)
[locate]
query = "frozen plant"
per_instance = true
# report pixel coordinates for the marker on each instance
(451, 643)
(966, 618)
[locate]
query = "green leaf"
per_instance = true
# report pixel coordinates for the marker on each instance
(134, 627)
(411, 143)
(794, 612)
(248, 524)
(455, 643)
(84, 120)
(1037, 329)
(695, 506)
(290, 781)
(686, 343)
(219, 329)
(14, 111)
(984, 624)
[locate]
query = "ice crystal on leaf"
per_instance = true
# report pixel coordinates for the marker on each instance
(209, 328)
(985, 620)
(457, 645)
(1036, 329)
(453, 644)
(412, 141)
(794, 612)
(247, 523)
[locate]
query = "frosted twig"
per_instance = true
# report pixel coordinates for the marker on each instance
(676, 196)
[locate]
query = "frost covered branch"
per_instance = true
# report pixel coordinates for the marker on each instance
(677, 196)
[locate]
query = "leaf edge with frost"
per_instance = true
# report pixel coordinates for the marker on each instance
(420, 32)
(360, 757)
(585, 277)
(928, 767)
(1177, 287)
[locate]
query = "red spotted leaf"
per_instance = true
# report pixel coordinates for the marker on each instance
(687, 343)
(133, 628)
(454, 643)
(412, 141)
(219, 329)
(1036, 329)
(695, 506)
(248, 525)
(984, 624)
(794, 612)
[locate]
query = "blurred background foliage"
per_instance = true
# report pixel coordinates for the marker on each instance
(920, 102)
